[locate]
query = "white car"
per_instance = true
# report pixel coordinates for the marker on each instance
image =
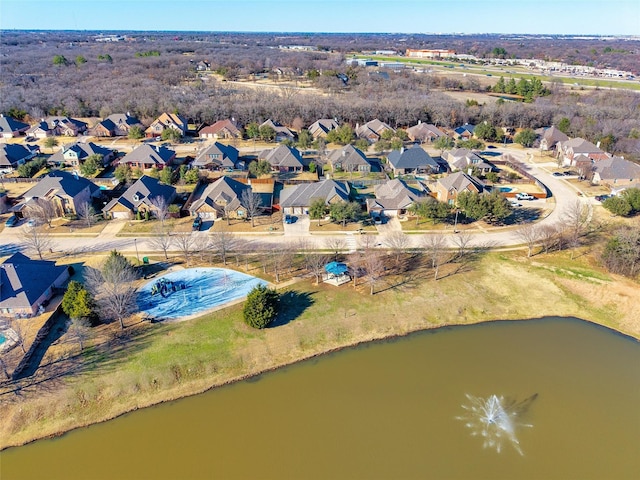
(524, 196)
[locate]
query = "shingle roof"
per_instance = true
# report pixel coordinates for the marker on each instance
(149, 154)
(580, 145)
(284, 156)
(302, 195)
(424, 130)
(12, 153)
(82, 150)
(467, 127)
(395, 194)
(61, 183)
(220, 125)
(10, 125)
(459, 181)
(323, 125)
(143, 191)
(229, 189)
(411, 158)
(617, 168)
(348, 155)
(227, 156)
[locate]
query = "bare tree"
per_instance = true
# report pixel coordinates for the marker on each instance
(462, 240)
(435, 246)
(529, 234)
(356, 265)
(280, 256)
(86, 213)
(223, 243)
(336, 245)
(202, 245)
(36, 239)
(398, 243)
(79, 331)
(160, 208)
(42, 210)
(374, 265)
(314, 263)
(548, 236)
(161, 240)
(19, 328)
(185, 242)
(3, 366)
(575, 220)
(252, 203)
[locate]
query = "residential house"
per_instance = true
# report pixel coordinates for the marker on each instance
(66, 192)
(465, 132)
(165, 121)
(320, 128)
(25, 284)
(570, 149)
(144, 195)
(282, 133)
(223, 198)
(221, 129)
(13, 155)
(395, 197)
(466, 160)
(448, 188)
(549, 137)
(297, 199)
(116, 125)
(372, 130)
(76, 153)
(218, 157)
(203, 66)
(283, 159)
(615, 172)
(147, 156)
(424, 133)
(412, 160)
(57, 126)
(349, 159)
(10, 127)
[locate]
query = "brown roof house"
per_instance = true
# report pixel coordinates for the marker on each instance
(320, 128)
(165, 121)
(13, 155)
(218, 157)
(349, 159)
(26, 284)
(372, 130)
(76, 153)
(394, 197)
(221, 129)
(297, 199)
(424, 133)
(449, 187)
(147, 156)
(10, 127)
(65, 191)
(142, 196)
(570, 149)
(615, 172)
(116, 125)
(283, 159)
(549, 137)
(223, 198)
(64, 126)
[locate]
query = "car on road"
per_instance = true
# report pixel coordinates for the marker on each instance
(515, 204)
(12, 221)
(557, 174)
(197, 223)
(524, 196)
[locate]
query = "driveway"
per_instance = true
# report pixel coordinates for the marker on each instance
(298, 228)
(391, 224)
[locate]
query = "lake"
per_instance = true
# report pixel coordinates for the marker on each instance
(557, 397)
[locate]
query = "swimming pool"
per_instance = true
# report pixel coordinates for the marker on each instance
(188, 292)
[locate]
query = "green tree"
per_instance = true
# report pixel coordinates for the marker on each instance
(192, 176)
(617, 206)
(77, 301)
(60, 60)
(123, 173)
(50, 142)
(171, 135)
(80, 60)
(154, 172)
(342, 135)
(525, 137)
(344, 212)
(166, 175)
(564, 125)
(511, 87)
(304, 139)
(317, 209)
(430, 208)
(471, 144)
(485, 131)
(500, 86)
(362, 144)
(491, 207)
(135, 133)
(106, 58)
(91, 165)
(632, 195)
(258, 168)
(312, 167)
(19, 114)
(267, 133)
(261, 307)
(253, 130)
(492, 177)
(443, 143)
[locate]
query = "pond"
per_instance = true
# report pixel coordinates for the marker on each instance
(550, 398)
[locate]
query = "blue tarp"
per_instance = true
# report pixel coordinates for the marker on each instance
(336, 268)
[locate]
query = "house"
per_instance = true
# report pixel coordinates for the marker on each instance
(116, 125)
(223, 198)
(221, 129)
(76, 153)
(372, 130)
(10, 127)
(569, 149)
(282, 133)
(143, 196)
(13, 155)
(66, 192)
(320, 128)
(25, 284)
(203, 66)
(449, 187)
(465, 132)
(465, 160)
(297, 199)
(165, 121)
(61, 126)
(283, 159)
(412, 160)
(148, 156)
(218, 157)
(615, 172)
(349, 159)
(424, 133)
(549, 137)
(394, 197)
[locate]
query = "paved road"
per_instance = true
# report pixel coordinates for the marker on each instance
(564, 196)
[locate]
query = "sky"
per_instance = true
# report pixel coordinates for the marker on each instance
(570, 17)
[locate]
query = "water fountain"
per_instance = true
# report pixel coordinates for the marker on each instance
(496, 420)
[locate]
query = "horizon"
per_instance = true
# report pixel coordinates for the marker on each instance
(620, 18)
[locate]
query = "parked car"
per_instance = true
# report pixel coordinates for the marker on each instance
(289, 219)
(557, 174)
(12, 221)
(524, 196)
(515, 204)
(197, 223)
(602, 198)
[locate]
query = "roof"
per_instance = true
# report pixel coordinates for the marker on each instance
(218, 154)
(82, 151)
(23, 281)
(617, 168)
(394, 195)
(146, 153)
(322, 126)
(221, 125)
(59, 183)
(423, 130)
(143, 191)
(302, 195)
(462, 158)
(112, 121)
(467, 127)
(170, 120)
(348, 155)
(12, 153)
(373, 127)
(580, 145)
(411, 158)
(225, 190)
(460, 181)
(10, 125)
(553, 135)
(336, 268)
(283, 156)
(279, 129)
(51, 123)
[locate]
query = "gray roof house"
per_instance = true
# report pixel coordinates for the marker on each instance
(25, 284)
(76, 153)
(320, 128)
(550, 137)
(349, 159)
(222, 198)
(114, 125)
(282, 133)
(10, 127)
(449, 187)
(13, 154)
(424, 132)
(298, 198)
(412, 160)
(372, 130)
(615, 172)
(147, 156)
(140, 197)
(465, 131)
(57, 125)
(465, 159)
(218, 156)
(394, 197)
(570, 149)
(283, 159)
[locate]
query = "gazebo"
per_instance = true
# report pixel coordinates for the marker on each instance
(336, 273)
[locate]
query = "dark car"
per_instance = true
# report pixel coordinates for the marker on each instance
(289, 219)
(557, 174)
(197, 223)
(12, 221)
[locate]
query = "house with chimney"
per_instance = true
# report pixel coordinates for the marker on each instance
(320, 128)
(57, 126)
(144, 195)
(372, 131)
(395, 197)
(283, 159)
(75, 154)
(147, 156)
(349, 159)
(413, 160)
(218, 157)
(569, 150)
(12, 155)
(448, 188)
(116, 125)
(166, 121)
(226, 129)
(424, 133)
(10, 127)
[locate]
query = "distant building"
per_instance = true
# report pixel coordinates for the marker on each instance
(429, 53)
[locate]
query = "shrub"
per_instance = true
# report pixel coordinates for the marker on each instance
(261, 307)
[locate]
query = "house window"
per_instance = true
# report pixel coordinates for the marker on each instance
(240, 213)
